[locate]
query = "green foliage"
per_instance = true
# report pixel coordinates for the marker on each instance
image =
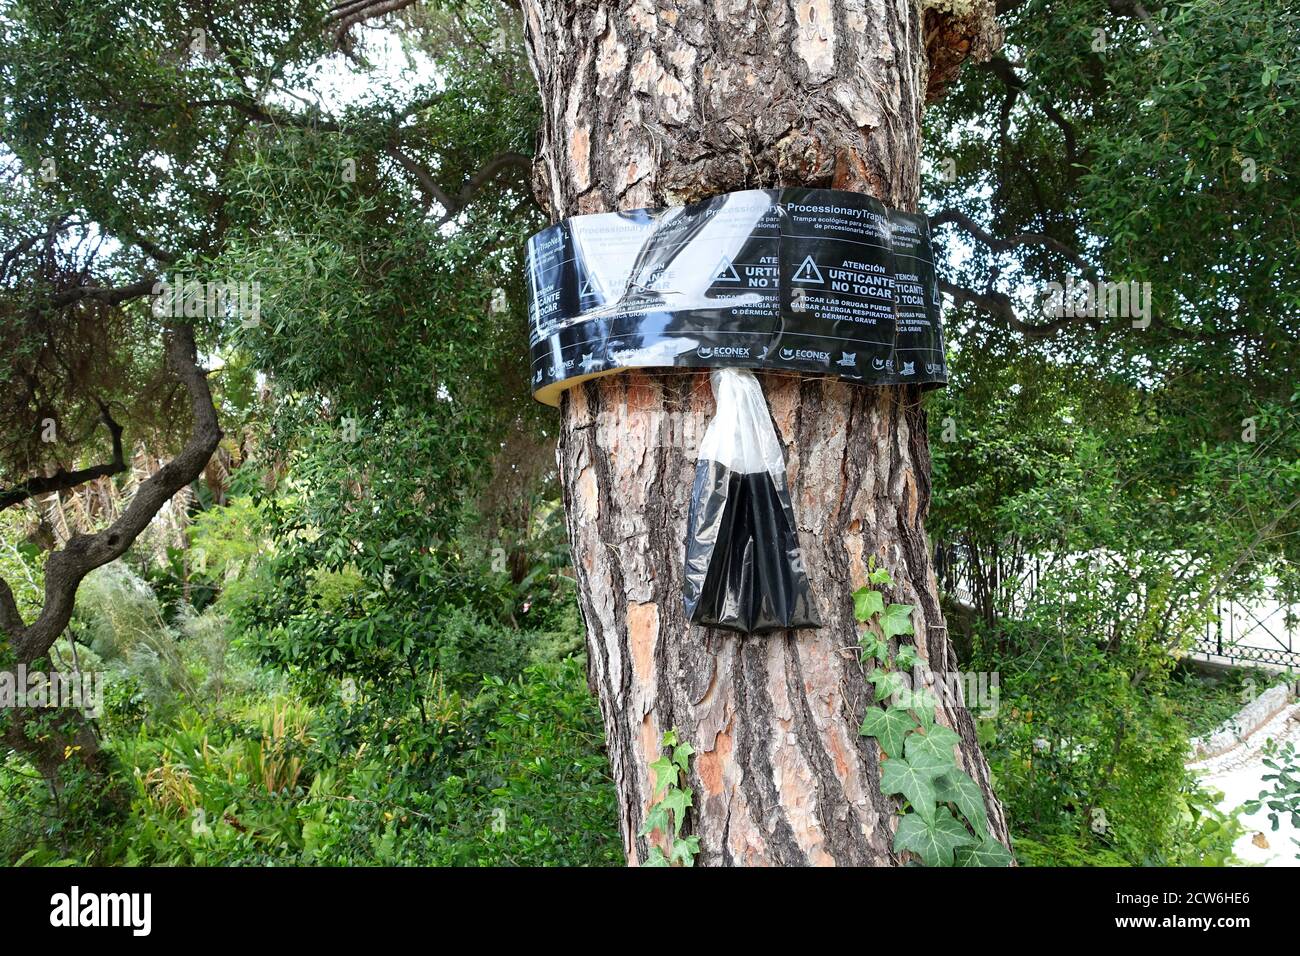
(1131, 509)
(1282, 798)
(1163, 157)
(233, 766)
(1205, 701)
(1064, 849)
(672, 800)
(523, 781)
(20, 564)
(919, 756)
(1166, 157)
(889, 725)
(371, 652)
(1087, 750)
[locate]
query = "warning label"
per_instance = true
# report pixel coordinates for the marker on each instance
(797, 279)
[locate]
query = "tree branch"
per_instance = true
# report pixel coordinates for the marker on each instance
(349, 13)
(491, 169)
(66, 568)
(974, 229)
(109, 295)
(11, 622)
(62, 480)
(999, 304)
(428, 185)
(954, 34)
(454, 205)
(1134, 8)
(254, 110)
(1001, 68)
(57, 225)
(153, 249)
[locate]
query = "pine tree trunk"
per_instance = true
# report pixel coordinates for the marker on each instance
(666, 104)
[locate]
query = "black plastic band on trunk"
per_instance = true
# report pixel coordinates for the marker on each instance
(817, 281)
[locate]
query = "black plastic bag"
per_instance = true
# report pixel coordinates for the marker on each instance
(744, 570)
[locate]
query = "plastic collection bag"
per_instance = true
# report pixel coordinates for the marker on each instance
(744, 570)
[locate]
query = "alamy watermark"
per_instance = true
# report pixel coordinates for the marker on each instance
(195, 298)
(1096, 300)
(980, 692)
(82, 690)
(75, 908)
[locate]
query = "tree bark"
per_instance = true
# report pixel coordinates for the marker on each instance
(662, 104)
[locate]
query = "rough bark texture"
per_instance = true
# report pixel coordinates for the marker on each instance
(648, 104)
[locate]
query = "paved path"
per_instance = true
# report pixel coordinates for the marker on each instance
(1238, 774)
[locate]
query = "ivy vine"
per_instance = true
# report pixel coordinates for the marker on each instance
(944, 821)
(668, 813)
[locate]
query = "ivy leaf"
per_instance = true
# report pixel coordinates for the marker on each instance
(670, 738)
(988, 853)
(682, 754)
(906, 657)
(937, 743)
(925, 762)
(656, 858)
(677, 801)
(665, 772)
(881, 576)
(889, 727)
(684, 851)
(655, 819)
(867, 602)
(897, 620)
(960, 790)
(873, 646)
(921, 703)
(914, 781)
(886, 683)
(934, 840)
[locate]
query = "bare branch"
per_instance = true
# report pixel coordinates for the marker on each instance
(428, 185)
(254, 110)
(999, 305)
(349, 13)
(974, 229)
(62, 480)
(1003, 70)
(453, 205)
(57, 224)
(110, 295)
(495, 165)
(1135, 8)
(153, 249)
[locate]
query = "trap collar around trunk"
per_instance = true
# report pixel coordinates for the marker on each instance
(805, 280)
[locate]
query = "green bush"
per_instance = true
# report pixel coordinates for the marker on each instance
(1087, 750)
(487, 750)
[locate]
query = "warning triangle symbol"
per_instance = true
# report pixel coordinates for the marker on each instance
(587, 287)
(726, 272)
(808, 272)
